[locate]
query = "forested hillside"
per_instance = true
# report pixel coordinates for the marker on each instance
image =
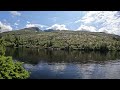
(65, 39)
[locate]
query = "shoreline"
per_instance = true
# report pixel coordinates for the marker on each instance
(64, 49)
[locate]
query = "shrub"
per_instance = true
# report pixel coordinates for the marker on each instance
(12, 70)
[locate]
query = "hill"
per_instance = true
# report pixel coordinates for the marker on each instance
(65, 39)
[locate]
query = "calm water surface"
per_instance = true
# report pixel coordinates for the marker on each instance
(49, 64)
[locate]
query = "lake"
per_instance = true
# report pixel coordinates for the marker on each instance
(59, 64)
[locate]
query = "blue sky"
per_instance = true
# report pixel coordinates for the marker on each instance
(94, 21)
(47, 18)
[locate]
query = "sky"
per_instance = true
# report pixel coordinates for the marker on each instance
(93, 21)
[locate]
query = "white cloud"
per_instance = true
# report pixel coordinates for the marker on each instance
(28, 22)
(4, 27)
(16, 24)
(87, 28)
(99, 16)
(30, 25)
(15, 13)
(107, 21)
(77, 21)
(58, 27)
(36, 25)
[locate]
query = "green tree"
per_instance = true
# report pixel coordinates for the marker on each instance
(17, 38)
(2, 47)
(49, 43)
(10, 69)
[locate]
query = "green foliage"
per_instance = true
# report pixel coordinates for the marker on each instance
(49, 44)
(17, 41)
(12, 70)
(2, 47)
(79, 40)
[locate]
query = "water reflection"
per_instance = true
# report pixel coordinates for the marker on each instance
(74, 71)
(47, 64)
(34, 56)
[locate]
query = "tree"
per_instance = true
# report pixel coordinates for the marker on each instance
(49, 43)
(2, 47)
(10, 69)
(17, 41)
(7, 38)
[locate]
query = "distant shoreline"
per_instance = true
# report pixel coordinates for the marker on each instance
(65, 49)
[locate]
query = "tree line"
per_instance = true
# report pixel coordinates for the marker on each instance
(64, 40)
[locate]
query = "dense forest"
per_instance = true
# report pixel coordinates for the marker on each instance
(63, 40)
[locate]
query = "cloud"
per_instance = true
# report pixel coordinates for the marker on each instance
(15, 13)
(87, 28)
(58, 27)
(16, 24)
(99, 16)
(107, 21)
(36, 25)
(77, 21)
(55, 26)
(4, 27)
(28, 22)
(31, 25)
(90, 16)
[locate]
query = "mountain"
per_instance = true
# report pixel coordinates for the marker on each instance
(30, 30)
(64, 39)
(36, 29)
(49, 30)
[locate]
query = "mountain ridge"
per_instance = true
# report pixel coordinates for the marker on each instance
(61, 39)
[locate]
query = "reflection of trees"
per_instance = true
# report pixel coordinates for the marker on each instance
(16, 52)
(35, 55)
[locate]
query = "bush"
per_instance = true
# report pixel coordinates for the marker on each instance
(12, 70)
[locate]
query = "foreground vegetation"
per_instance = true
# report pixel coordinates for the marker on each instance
(65, 40)
(10, 69)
